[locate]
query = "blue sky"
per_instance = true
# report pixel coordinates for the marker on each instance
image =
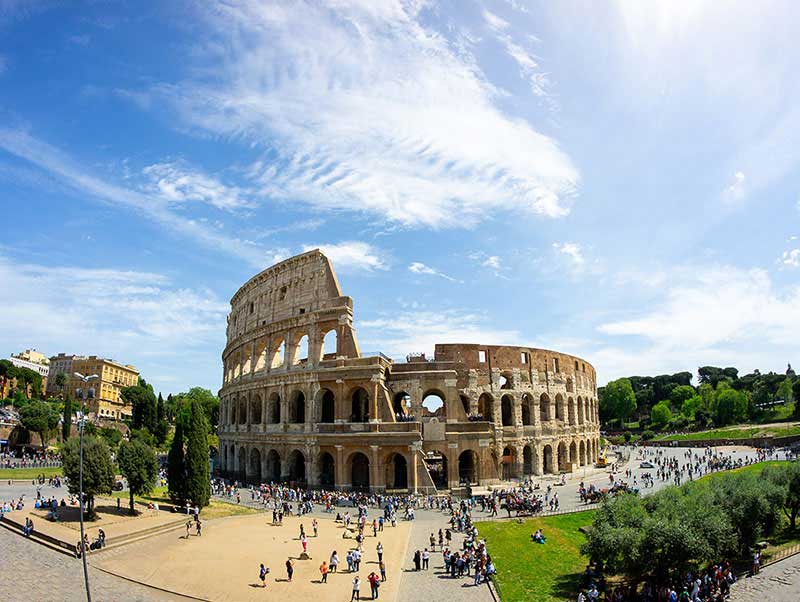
(617, 180)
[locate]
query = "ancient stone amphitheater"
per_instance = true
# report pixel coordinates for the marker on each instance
(300, 403)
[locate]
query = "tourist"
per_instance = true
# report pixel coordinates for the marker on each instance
(425, 559)
(417, 559)
(379, 549)
(315, 526)
(302, 531)
(356, 587)
(350, 561)
(323, 569)
(374, 584)
(289, 569)
(304, 541)
(382, 567)
(188, 527)
(198, 527)
(334, 562)
(262, 574)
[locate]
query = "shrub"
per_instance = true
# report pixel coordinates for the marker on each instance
(647, 435)
(627, 435)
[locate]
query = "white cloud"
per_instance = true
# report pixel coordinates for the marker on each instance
(178, 183)
(791, 258)
(420, 268)
(352, 255)
(572, 251)
(735, 191)
(406, 332)
(493, 261)
(485, 260)
(124, 314)
(154, 207)
(362, 108)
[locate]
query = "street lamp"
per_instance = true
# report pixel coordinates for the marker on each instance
(80, 395)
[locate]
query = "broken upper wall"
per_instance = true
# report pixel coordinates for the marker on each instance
(301, 294)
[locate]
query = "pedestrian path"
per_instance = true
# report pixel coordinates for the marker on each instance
(779, 582)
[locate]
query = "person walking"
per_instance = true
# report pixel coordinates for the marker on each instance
(382, 566)
(262, 574)
(334, 562)
(356, 587)
(323, 569)
(289, 569)
(417, 559)
(315, 526)
(379, 548)
(374, 584)
(304, 541)
(426, 556)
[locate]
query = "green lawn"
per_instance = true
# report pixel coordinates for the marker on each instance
(28, 473)
(532, 572)
(753, 468)
(735, 433)
(215, 509)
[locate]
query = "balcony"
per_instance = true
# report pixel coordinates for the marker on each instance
(347, 428)
(471, 427)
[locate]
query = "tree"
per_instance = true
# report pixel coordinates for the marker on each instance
(796, 395)
(787, 478)
(29, 379)
(661, 414)
(732, 406)
(690, 406)
(66, 423)
(618, 399)
(139, 465)
(111, 436)
(98, 469)
(198, 476)
(39, 417)
(680, 394)
(143, 406)
(208, 401)
(785, 391)
(162, 426)
(176, 464)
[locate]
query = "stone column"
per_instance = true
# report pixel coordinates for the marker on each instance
(376, 480)
(342, 479)
(374, 414)
(413, 479)
(452, 465)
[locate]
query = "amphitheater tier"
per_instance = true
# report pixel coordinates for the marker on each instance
(300, 403)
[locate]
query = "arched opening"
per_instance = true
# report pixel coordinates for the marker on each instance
(261, 356)
(242, 411)
(507, 410)
(582, 453)
(507, 462)
(327, 412)
(327, 470)
(297, 408)
(301, 351)
(547, 459)
(485, 407)
(433, 404)
(242, 465)
(359, 471)
(255, 410)
(359, 411)
(581, 411)
(278, 355)
(562, 457)
(571, 410)
(573, 454)
(559, 407)
(464, 403)
(506, 380)
(527, 460)
(526, 410)
(248, 354)
(545, 411)
(401, 404)
(397, 472)
(297, 466)
(330, 345)
(273, 463)
(255, 465)
(231, 459)
(436, 463)
(468, 467)
(274, 409)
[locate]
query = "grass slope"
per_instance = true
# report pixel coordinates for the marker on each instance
(28, 473)
(735, 433)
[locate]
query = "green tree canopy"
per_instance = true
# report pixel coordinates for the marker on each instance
(787, 479)
(139, 465)
(207, 400)
(680, 394)
(39, 417)
(98, 469)
(618, 399)
(661, 414)
(143, 406)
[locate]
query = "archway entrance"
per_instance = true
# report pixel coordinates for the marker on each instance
(562, 457)
(327, 470)
(297, 467)
(468, 467)
(242, 464)
(527, 460)
(297, 410)
(359, 406)
(436, 463)
(507, 462)
(327, 407)
(397, 472)
(547, 459)
(274, 409)
(507, 409)
(573, 455)
(255, 465)
(401, 404)
(485, 407)
(359, 471)
(582, 453)
(273, 466)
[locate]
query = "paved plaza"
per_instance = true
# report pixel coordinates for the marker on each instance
(779, 582)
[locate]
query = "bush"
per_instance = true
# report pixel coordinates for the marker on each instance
(627, 435)
(647, 435)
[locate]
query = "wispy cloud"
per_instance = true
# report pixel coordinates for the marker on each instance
(791, 258)
(353, 255)
(571, 251)
(417, 267)
(735, 191)
(178, 183)
(371, 112)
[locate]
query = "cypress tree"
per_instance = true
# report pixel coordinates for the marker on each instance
(176, 465)
(160, 409)
(198, 475)
(67, 422)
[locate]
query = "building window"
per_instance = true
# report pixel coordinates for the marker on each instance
(524, 357)
(482, 356)
(555, 365)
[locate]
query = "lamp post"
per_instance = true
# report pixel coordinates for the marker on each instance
(80, 396)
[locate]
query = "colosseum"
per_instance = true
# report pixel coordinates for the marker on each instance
(300, 403)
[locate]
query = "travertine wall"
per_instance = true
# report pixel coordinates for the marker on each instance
(290, 411)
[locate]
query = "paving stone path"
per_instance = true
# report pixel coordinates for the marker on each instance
(779, 582)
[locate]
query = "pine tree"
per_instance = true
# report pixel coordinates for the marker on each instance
(160, 408)
(67, 422)
(176, 465)
(198, 476)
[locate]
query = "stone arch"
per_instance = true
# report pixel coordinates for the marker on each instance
(527, 460)
(434, 403)
(527, 410)
(242, 411)
(507, 461)
(330, 345)
(327, 470)
(255, 410)
(581, 412)
(359, 405)
(569, 385)
(274, 409)
(582, 453)
(327, 405)
(571, 410)
(231, 467)
(573, 454)
(464, 403)
(255, 465)
(486, 407)
(560, 413)
(300, 349)
(358, 463)
(396, 471)
(296, 466)
(297, 407)
(468, 467)
(547, 459)
(261, 356)
(278, 353)
(506, 380)
(272, 464)
(507, 410)
(545, 408)
(242, 463)
(401, 403)
(562, 457)
(436, 463)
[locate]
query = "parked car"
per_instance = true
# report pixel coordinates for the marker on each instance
(647, 464)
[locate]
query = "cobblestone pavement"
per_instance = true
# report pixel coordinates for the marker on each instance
(779, 582)
(29, 571)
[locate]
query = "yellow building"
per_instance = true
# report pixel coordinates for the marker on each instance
(112, 378)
